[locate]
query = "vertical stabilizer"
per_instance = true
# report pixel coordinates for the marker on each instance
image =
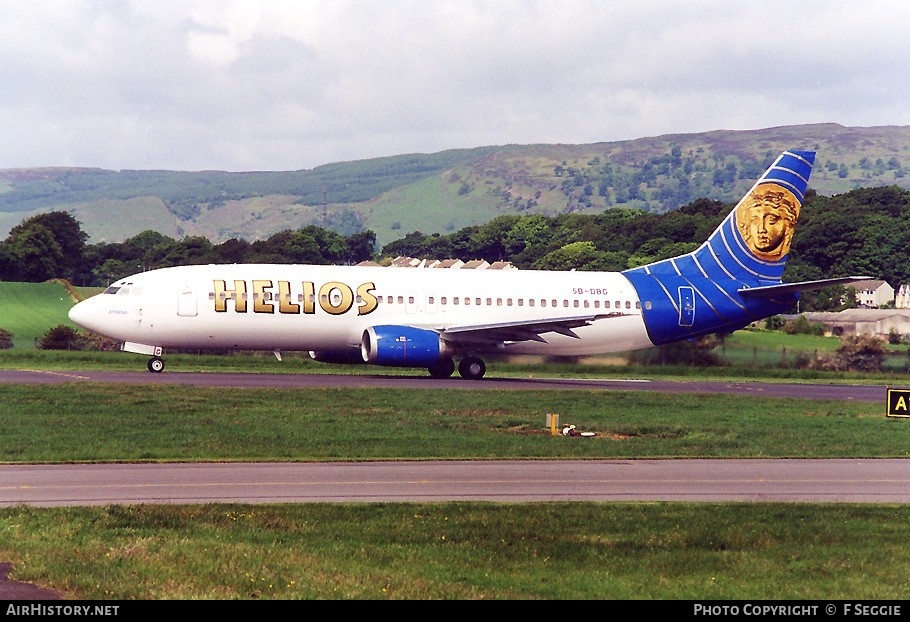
(697, 293)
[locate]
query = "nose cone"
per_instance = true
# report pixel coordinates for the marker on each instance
(82, 314)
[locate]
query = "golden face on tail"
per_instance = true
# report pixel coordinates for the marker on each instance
(766, 218)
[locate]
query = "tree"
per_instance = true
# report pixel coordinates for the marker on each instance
(361, 246)
(56, 234)
(582, 256)
(33, 255)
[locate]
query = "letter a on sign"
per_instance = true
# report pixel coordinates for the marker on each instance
(899, 402)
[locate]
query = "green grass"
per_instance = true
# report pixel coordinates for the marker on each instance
(670, 551)
(86, 422)
(28, 310)
(553, 551)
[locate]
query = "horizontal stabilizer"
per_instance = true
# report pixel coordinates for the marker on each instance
(771, 291)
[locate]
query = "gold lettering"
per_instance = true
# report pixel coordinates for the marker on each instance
(365, 291)
(284, 299)
(222, 295)
(335, 297)
(901, 403)
(336, 305)
(259, 297)
(309, 297)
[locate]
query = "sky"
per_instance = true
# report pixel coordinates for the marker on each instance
(265, 85)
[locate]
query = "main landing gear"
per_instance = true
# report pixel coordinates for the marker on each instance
(156, 364)
(470, 367)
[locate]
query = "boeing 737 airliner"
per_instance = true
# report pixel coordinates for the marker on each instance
(425, 317)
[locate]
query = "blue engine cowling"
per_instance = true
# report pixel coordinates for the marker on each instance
(402, 346)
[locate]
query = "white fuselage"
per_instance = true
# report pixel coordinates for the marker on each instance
(324, 308)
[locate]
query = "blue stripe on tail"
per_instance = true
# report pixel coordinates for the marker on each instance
(696, 294)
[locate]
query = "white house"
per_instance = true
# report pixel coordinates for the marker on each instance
(872, 294)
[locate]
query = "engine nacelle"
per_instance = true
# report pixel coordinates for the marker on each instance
(402, 346)
(343, 357)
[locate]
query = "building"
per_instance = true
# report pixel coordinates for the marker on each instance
(873, 294)
(902, 298)
(850, 322)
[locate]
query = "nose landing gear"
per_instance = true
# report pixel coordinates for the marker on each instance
(156, 364)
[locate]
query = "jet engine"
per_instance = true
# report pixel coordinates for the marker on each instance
(403, 346)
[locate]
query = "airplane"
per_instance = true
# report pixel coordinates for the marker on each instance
(429, 317)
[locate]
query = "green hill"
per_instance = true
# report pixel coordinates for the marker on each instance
(450, 190)
(28, 310)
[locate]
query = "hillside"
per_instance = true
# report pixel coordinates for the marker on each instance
(446, 191)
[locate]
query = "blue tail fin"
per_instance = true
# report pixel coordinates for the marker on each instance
(701, 292)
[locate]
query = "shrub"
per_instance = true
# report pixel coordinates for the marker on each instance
(856, 353)
(61, 338)
(6, 339)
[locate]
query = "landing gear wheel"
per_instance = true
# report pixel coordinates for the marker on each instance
(442, 369)
(156, 365)
(472, 368)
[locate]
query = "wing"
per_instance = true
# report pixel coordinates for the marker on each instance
(501, 333)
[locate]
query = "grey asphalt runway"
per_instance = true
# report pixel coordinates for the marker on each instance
(830, 481)
(865, 393)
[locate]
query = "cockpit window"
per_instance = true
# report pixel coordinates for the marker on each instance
(111, 290)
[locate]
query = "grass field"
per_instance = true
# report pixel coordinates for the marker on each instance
(649, 551)
(28, 310)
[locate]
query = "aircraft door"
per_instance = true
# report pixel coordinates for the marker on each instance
(186, 301)
(686, 305)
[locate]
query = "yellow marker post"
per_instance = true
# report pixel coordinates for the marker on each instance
(553, 423)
